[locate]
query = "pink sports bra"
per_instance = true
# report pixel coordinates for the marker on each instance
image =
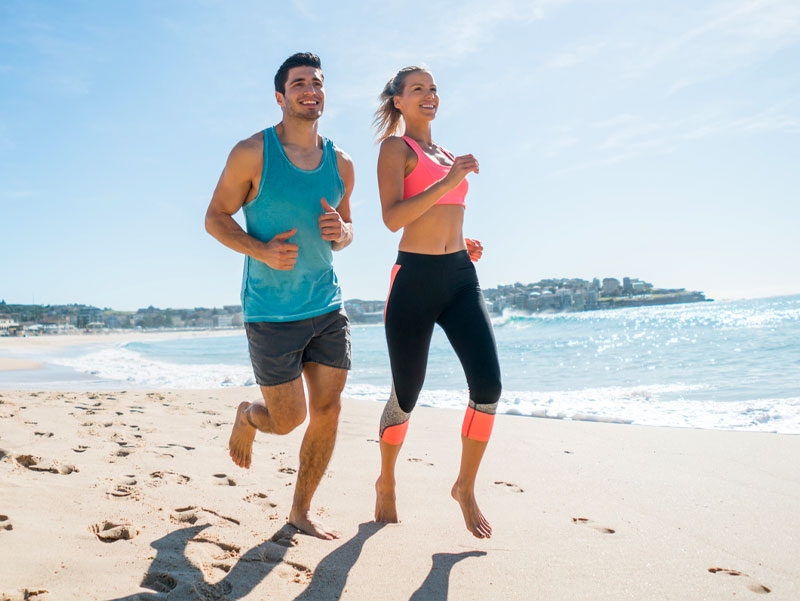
(426, 173)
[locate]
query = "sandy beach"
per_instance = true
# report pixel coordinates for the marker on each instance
(131, 495)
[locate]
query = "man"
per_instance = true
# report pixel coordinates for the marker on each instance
(294, 189)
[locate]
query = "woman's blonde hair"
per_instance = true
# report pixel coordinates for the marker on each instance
(388, 118)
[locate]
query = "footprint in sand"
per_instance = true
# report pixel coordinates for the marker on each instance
(80, 448)
(212, 592)
(5, 524)
(509, 485)
(418, 460)
(283, 538)
(26, 594)
(161, 582)
(185, 515)
(36, 464)
(192, 514)
(160, 478)
(274, 552)
(122, 453)
(260, 499)
(125, 487)
(752, 584)
(224, 555)
(223, 480)
(591, 524)
(109, 532)
(183, 446)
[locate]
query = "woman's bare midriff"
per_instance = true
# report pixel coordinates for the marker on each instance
(438, 232)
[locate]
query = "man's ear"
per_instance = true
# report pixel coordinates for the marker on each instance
(279, 98)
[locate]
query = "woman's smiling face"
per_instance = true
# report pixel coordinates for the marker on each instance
(419, 96)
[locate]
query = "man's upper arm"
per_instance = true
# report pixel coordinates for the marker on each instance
(236, 180)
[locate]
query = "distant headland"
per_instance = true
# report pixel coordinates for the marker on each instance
(545, 296)
(557, 295)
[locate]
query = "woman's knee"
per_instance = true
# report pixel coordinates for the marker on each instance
(486, 394)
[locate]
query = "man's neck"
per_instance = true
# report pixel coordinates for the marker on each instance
(299, 133)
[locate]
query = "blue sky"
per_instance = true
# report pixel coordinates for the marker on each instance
(658, 140)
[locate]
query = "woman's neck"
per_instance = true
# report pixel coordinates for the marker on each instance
(421, 134)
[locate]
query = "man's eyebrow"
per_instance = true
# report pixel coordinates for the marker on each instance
(320, 79)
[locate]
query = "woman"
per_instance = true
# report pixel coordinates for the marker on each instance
(422, 190)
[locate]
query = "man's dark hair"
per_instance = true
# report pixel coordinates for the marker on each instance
(300, 59)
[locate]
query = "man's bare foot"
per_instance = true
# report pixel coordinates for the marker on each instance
(242, 435)
(302, 522)
(385, 503)
(473, 518)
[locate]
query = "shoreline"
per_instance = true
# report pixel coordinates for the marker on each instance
(13, 345)
(87, 338)
(11, 364)
(138, 484)
(34, 364)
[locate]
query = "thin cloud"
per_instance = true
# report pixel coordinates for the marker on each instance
(477, 21)
(634, 136)
(733, 30)
(575, 56)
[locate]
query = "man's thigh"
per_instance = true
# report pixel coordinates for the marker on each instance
(285, 402)
(325, 385)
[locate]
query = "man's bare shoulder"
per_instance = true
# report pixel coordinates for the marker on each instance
(253, 144)
(342, 156)
(247, 156)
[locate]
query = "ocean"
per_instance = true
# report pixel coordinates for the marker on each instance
(728, 365)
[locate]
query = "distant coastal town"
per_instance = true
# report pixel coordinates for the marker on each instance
(557, 296)
(544, 296)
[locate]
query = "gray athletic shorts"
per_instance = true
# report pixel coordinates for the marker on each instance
(279, 350)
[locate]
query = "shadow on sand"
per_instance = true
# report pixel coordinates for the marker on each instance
(171, 574)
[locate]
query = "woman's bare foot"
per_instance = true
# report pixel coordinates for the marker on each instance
(242, 435)
(302, 522)
(473, 518)
(385, 503)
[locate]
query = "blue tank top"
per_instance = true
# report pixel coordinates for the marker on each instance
(289, 197)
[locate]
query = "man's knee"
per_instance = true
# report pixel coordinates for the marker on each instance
(327, 408)
(286, 421)
(286, 406)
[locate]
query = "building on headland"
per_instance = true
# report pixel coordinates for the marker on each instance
(360, 311)
(555, 296)
(18, 320)
(8, 326)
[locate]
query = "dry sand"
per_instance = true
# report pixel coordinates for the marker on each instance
(131, 495)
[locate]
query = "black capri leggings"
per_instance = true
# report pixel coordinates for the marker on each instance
(443, 289)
